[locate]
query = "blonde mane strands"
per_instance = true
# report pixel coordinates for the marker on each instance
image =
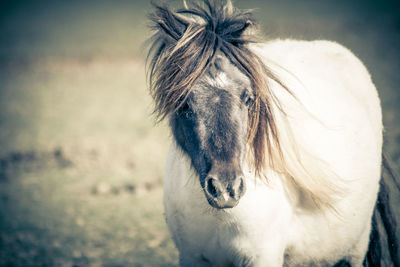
(183, 47)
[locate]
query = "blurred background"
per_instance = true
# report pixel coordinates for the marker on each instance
(81, 159)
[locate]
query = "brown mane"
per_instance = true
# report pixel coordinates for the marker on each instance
(184, 46)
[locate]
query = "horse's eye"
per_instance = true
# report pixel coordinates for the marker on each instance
(185, 111)
(185, 107)
(246, 97)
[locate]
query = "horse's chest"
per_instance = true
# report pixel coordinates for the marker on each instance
(212, 238)
(227, 236)
(199, 233)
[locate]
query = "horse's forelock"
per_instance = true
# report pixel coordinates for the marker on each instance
(185, 45)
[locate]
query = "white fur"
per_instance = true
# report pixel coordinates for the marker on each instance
(336, 132)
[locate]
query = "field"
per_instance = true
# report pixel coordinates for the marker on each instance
(81, 159)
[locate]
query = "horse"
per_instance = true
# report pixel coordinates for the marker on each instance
(276, 146)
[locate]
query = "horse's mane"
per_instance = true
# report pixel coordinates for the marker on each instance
(186, 42)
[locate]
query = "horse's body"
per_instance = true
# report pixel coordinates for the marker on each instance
(276, 151)
(342, 127)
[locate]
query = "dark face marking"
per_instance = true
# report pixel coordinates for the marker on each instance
(221, 128)
(211, 128)
(183, 124)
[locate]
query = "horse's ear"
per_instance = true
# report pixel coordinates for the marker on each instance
(242, 28)
(238, 30)
(167, 23)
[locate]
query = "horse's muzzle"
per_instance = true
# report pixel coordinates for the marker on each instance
(224, 194)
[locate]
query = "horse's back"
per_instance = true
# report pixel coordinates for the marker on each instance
(337, 115)
(323, 69)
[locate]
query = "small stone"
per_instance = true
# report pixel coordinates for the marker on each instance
(94, 190)
(103, 188)
(149, 186)
(140, 191)
(130, 188)
(58, 153)
(115, 190)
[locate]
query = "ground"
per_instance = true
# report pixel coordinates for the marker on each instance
(81, 158)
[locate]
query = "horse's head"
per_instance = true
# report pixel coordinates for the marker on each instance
(206, 80)
(211, 127)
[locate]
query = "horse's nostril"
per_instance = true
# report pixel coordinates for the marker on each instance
(224, 194)
(239, 188)
(213, 187)
(242, 185)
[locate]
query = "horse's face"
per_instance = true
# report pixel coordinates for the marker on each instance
(211, 128)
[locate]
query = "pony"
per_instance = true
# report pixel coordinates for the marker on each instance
(276, 146)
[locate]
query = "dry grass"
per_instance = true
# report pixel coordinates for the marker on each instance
(82, 167)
